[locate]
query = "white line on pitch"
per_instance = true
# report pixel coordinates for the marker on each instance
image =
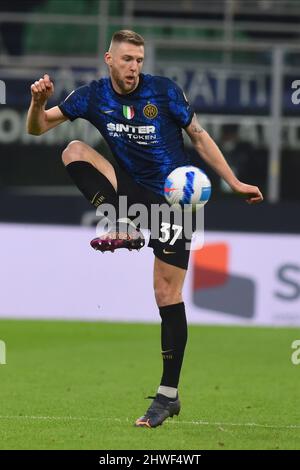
(62, 418)
(174, 422)
(207, 423)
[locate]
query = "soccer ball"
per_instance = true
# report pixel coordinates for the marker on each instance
(187, 186)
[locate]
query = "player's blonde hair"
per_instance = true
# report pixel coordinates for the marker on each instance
(125, 35)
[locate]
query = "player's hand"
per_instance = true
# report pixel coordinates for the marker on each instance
(42, 89)
(251, 193)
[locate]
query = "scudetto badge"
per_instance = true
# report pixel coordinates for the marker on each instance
(150, 111)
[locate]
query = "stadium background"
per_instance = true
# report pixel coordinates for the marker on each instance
(238, 62)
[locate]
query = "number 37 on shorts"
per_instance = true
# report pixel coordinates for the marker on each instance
(170, 233)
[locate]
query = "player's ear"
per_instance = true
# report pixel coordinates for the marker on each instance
(107, 58)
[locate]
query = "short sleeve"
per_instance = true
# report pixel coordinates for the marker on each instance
(179, 106)
(76, 104)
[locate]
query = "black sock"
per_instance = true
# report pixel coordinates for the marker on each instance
(173, 341)
(93, 184)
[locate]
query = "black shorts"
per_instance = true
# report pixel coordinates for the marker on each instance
(167, 247)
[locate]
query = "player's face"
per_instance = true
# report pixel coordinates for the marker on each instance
(125, 63)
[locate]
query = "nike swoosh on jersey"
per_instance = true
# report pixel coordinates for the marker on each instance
(106, 111)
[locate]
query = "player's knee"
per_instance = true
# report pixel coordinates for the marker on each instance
(166, 293)
(73, 152)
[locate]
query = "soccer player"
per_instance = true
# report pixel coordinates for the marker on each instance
(141, 117)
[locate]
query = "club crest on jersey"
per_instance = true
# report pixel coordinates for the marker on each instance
(150, 111)
(128, 112)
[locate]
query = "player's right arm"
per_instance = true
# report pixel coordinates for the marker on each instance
(40, 120)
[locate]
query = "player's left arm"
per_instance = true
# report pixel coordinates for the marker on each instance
(212, 155)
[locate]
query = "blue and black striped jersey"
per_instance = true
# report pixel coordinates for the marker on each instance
(143, 128)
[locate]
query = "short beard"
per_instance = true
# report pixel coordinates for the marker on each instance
(121, 84)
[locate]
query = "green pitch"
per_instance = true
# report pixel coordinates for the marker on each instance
(75, 385)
